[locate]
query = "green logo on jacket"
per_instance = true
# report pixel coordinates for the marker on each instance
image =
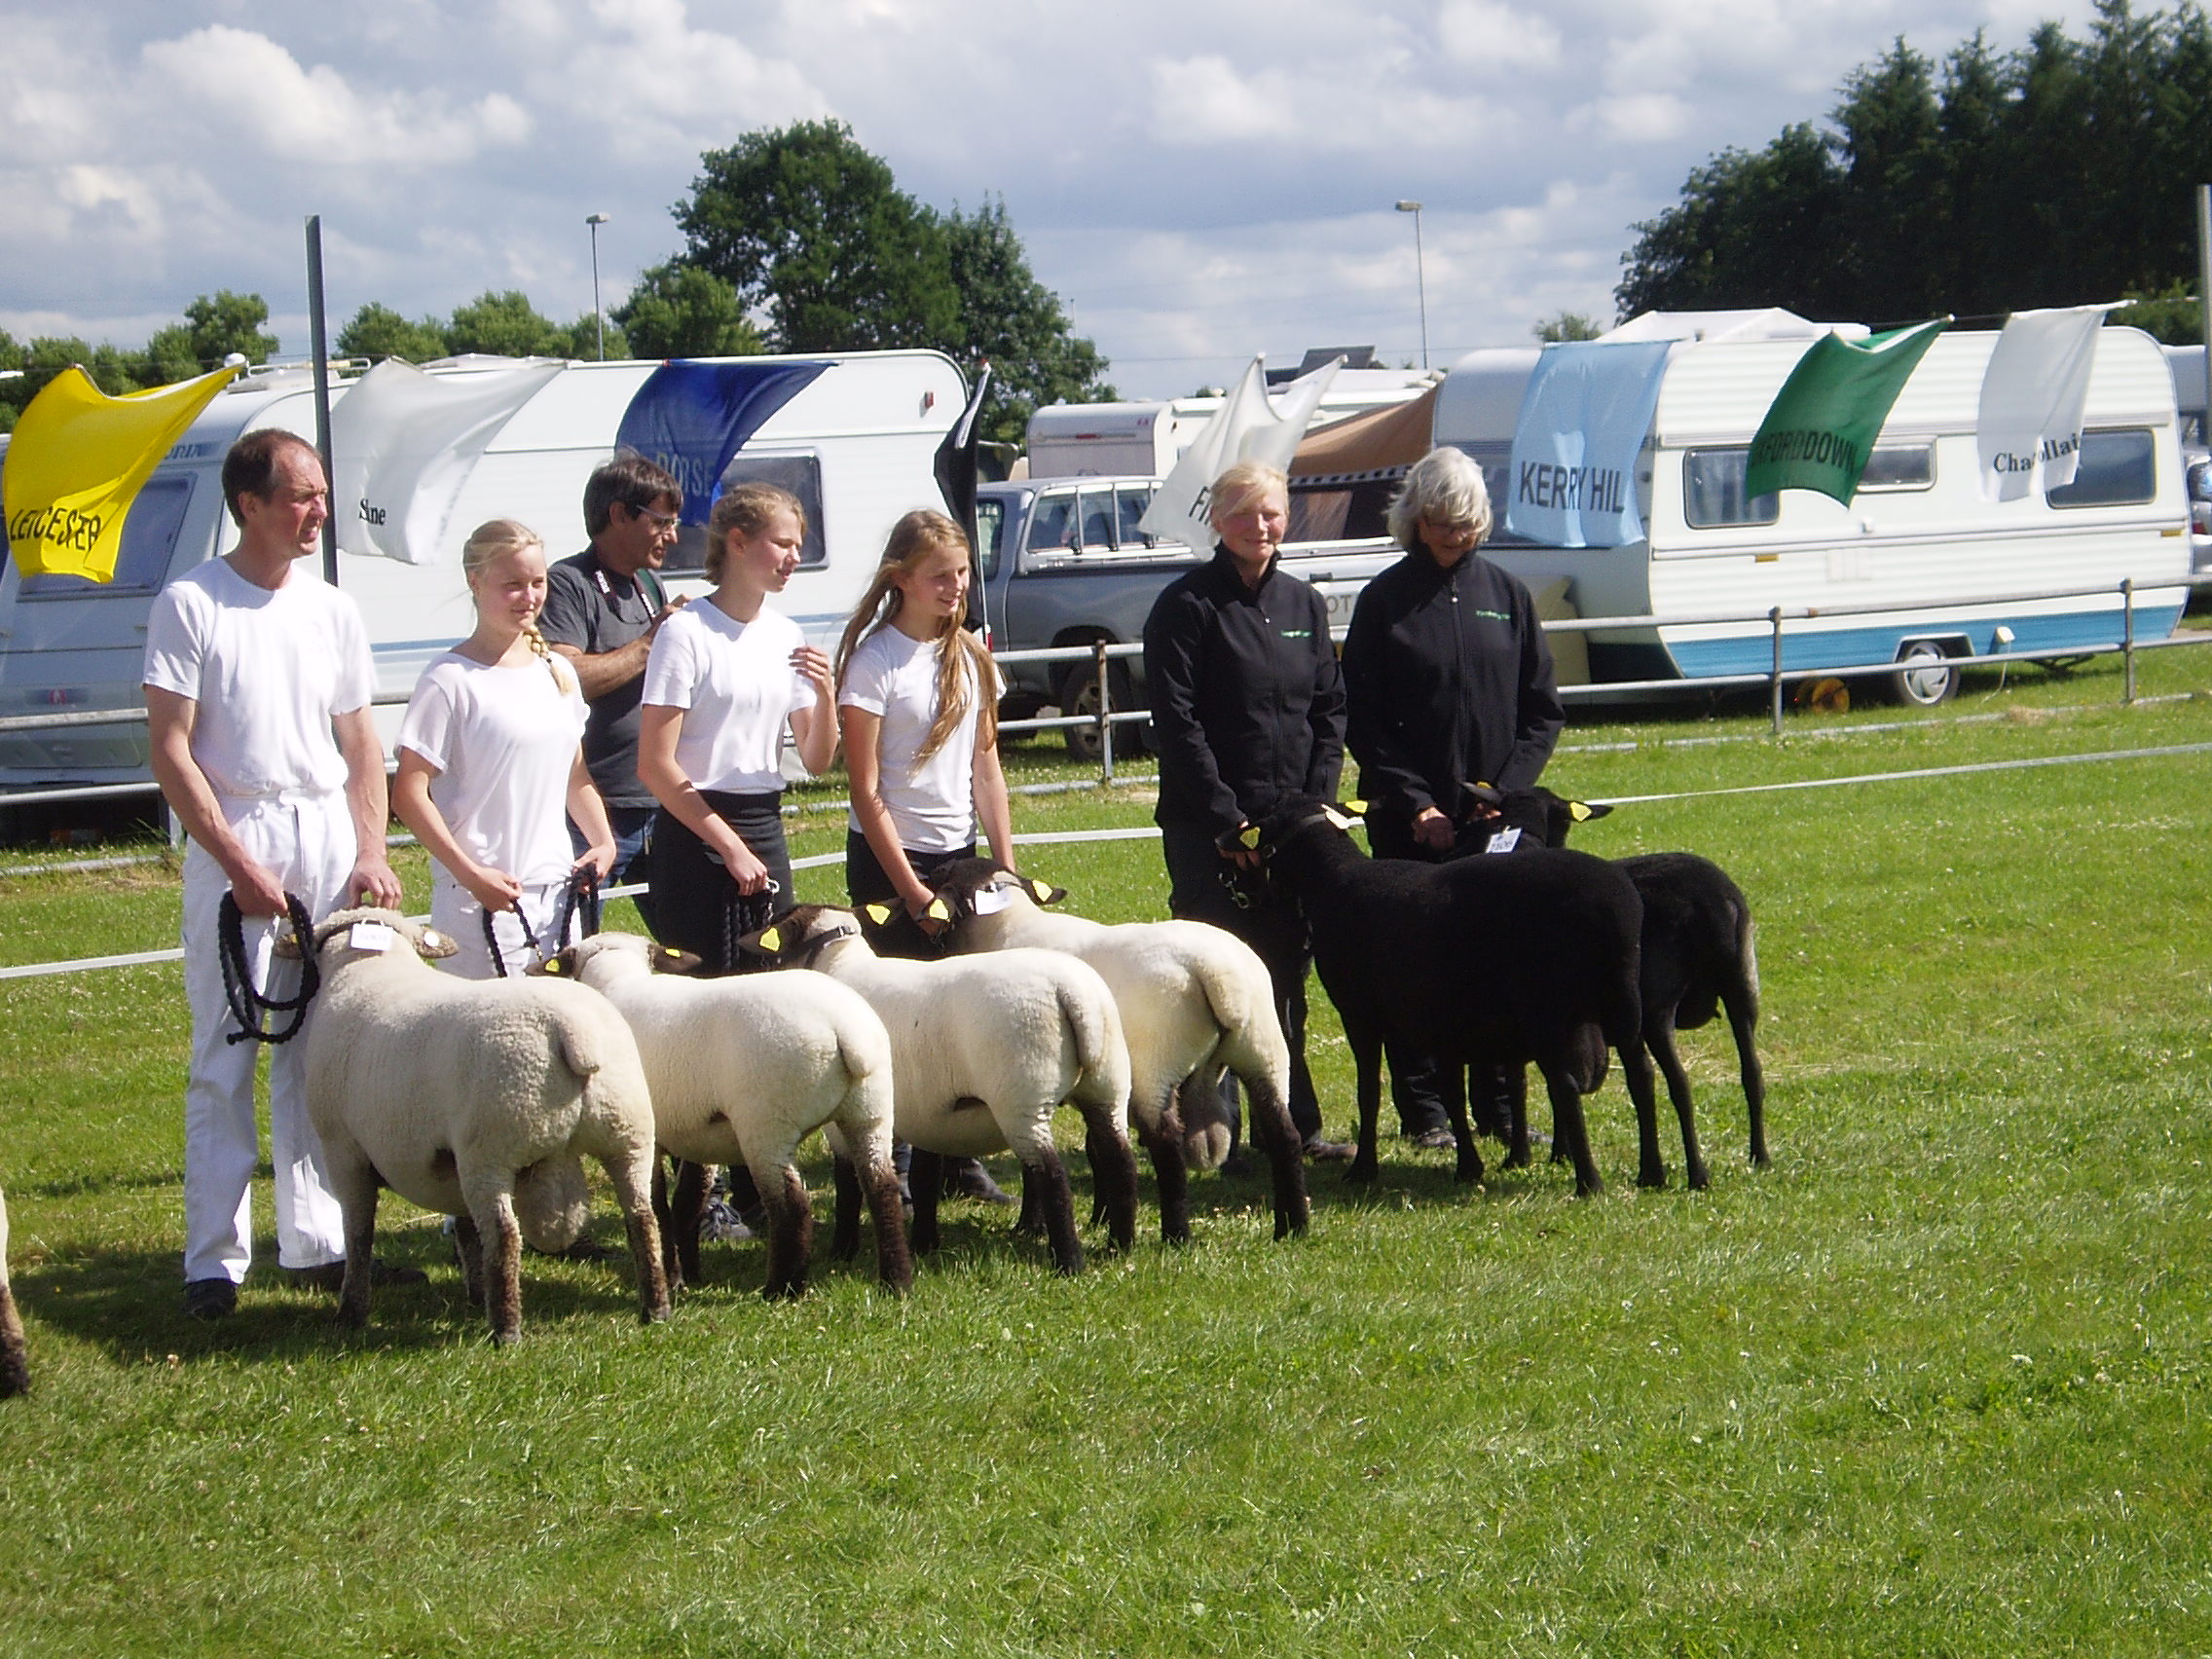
(1298, 633)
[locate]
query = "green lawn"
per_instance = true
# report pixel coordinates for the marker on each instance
(1934, 1384)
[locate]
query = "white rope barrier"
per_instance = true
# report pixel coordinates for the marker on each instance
(1151, 832)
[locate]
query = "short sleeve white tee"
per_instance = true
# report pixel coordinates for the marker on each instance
(932, 804)
(504, 740)
(737, 688)
(268, 669)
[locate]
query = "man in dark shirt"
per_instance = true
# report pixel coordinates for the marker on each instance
(1247, 708)
(601, 611)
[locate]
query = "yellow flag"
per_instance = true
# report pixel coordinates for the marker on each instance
(75, 464)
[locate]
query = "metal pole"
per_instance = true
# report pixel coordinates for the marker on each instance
(1774, 620)
(598, 317)
(2204, 302)
(1105, 719)
(1420, 276)
(2127, 638)
(319, 346)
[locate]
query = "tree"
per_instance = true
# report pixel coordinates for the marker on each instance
(1567, 325)
(584, 336)
(1015, 322)
(813, 231)
(505, 325)
(681, 310)
(378, 332)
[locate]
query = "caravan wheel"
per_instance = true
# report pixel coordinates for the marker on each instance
(1925, 676)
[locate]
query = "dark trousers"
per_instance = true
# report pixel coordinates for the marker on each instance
(633, 845)
(696, 905)
(1277, 934)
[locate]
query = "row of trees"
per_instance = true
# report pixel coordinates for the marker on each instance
(795, 239)
(2056, 175)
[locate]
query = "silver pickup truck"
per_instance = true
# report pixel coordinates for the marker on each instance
(1064, 564)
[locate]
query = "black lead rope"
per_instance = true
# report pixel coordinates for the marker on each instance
(747, 914)
(580, 907)
(248, 1005)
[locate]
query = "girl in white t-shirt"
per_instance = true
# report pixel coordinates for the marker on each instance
(917, 696)
(726, 678)
(492, 767)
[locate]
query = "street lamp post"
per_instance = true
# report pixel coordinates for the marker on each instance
(1420, 276)
(598, 317)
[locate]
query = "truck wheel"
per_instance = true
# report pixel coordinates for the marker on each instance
(1925, 676)
(1078, 695)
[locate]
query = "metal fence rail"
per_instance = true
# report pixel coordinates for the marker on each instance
(1776, 621)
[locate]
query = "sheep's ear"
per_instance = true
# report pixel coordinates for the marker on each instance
(771, 939)
(286, 947)
(1248, 837)
(433, 945)
(939, 910)
(879, 915)
(670, 961)
(561, 965)
(1581, 811)
(1045, 893)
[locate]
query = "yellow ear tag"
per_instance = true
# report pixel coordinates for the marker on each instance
(1357, 808)
(772, 939)
(1040, 892)
(551, 965)
(937, 913)
(1250, 838)
(1577, 810)
(877, 913)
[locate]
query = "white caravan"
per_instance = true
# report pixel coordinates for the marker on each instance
(1918, 536)
(856, 445)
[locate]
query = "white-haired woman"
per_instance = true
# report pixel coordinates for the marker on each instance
(1448, 681)
(1247, 708)
(492, 767)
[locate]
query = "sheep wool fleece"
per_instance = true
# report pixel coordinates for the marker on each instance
(267, 669)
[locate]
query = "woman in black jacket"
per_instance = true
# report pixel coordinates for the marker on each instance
(1448, 681)
(1247, 708)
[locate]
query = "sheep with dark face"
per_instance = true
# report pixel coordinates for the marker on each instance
(1697, 951)
(983, 1052)
(14, 1362)
(1486, 961)
(743, 1070)
(455, 1092)
(1193, 1000)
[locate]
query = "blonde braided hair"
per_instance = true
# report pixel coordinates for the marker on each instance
(494, 539)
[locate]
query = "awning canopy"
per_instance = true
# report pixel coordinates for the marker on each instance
(1377, 445)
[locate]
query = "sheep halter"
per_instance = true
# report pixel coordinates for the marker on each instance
(248, 1005)
(581, 893)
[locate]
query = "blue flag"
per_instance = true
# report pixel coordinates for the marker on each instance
(691, 417)
(1583, 421)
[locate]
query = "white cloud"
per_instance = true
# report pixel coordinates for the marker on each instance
(1488, 36)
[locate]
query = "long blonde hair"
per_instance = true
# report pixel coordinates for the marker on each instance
(964, 667)
(496, 538)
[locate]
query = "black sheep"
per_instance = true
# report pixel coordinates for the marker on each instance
(1483, 961)
(1698, 957)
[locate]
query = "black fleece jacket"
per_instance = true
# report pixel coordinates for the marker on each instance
(1247, 705)
(1449, 680)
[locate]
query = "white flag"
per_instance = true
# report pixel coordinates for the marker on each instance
(403, 443)
(2032, 397)
(1246, 427)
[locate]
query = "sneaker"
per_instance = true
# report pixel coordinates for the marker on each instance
(723, 1225)
(1321, 1151)
(331, 1275)
(211, 1298)
(1434, 1140)
(967, 1178)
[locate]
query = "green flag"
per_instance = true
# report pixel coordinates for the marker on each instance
(1822, 425)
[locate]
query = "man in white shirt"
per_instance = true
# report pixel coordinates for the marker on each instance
(257, 685)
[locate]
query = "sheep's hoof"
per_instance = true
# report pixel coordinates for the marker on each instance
(1653, 1180)
(1361, 1174)
(1700, 1178)
(350, 1319)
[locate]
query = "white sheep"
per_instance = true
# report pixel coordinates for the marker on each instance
(469, 1097)
(1194, 1000)
(983, 1052)
(15, 1364)
(744, 1069)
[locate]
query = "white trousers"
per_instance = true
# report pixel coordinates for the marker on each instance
(458, 916)
(307, 843)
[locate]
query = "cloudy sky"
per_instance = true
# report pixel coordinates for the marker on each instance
(1197, 179)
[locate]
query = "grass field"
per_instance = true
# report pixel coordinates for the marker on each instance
(1937, 1383)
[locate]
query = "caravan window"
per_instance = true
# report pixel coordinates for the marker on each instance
(149, 539)
(799, 475)
(1712, 490)
(2117, 470)
(1899, 466)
